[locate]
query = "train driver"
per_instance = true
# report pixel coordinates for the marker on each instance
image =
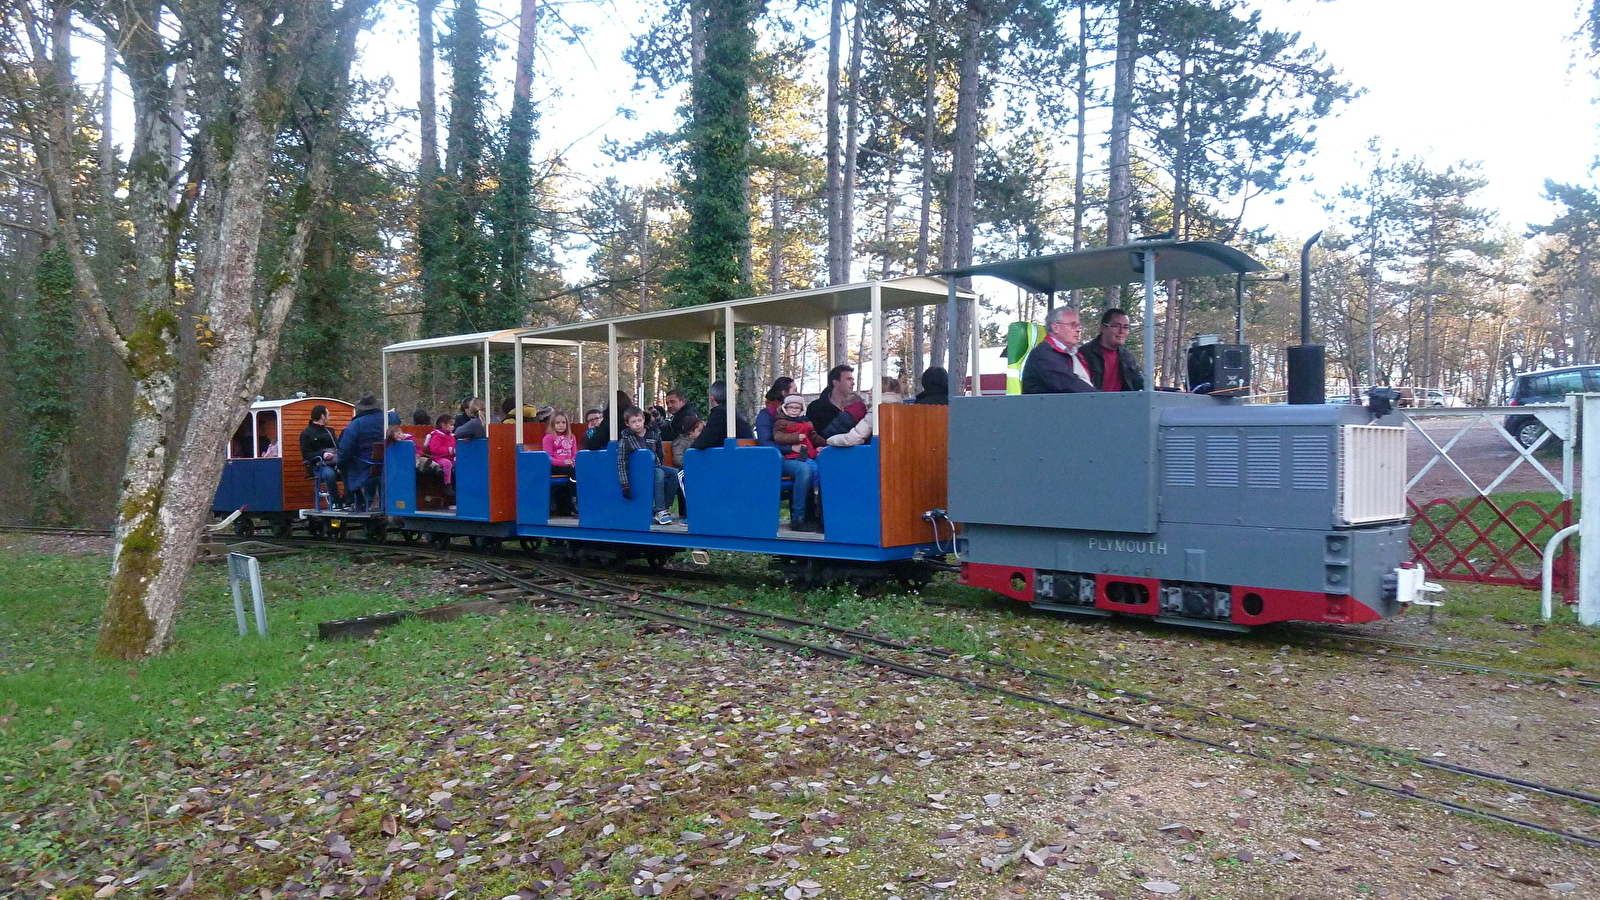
(1055, 366)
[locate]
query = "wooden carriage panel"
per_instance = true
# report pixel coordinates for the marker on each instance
(297, 493)
(502, 472)
(533, 434)
(913, 469)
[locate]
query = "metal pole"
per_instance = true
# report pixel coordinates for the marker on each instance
(1589, 525)
(234, 564)
(1149, 258)
(257, 596)
(877, 349)
(974, 369)
(611, 380)
(727, 368)
(1305, 288)
(516, 382)
(488, 402)
(951, 332)
(1238, 301)
(581, 410)
(385, 381)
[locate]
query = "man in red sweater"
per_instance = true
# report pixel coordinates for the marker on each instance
(1111, 365)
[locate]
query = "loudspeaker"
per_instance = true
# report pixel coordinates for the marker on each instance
(1307, 374)
(1225, 367)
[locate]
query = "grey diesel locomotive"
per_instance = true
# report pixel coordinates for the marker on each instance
(1182, 507)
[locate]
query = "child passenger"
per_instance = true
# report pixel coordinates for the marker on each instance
(692, 426)
(439, 447)
(791, 420)
(562, 445)
(635, 437)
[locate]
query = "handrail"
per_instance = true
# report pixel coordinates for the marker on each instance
(1545, 600)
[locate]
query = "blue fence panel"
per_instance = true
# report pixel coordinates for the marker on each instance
(400, 478)
(733, 491)
(533, 487)
(600, 503)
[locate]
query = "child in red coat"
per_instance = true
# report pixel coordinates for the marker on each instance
(791, 421)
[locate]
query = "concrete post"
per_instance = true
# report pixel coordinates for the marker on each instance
(1589, 524)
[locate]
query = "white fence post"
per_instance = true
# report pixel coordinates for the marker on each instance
(1589, 518)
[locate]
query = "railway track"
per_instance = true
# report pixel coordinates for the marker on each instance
(501, 583)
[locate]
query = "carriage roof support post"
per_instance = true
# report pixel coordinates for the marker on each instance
(611, 381)
(727, 370)
(384, 359)
(1148, 259)
(1589, 522)
(488, 402)
(974, 368)
(952, 333)
(580, 411)
(516, 384)
(877, 349)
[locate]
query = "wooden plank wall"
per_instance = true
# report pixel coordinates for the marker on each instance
(296, 416)
(913, 457)
(502, 472)
(533, 434)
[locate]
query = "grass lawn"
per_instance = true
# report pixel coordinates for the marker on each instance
(555, 753)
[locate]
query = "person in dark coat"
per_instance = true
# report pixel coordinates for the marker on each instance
(716, 428)
(678, 409)
(600, 436)
(319, 449)
(935, 387)
(472, 429)
(837, 409)
(1111, 365)
(1054, 366)
(355, 451)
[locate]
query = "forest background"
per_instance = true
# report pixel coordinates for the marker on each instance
(439, 187)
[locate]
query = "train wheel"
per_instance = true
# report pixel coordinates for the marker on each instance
(438, 540)
(528, 545)
(658, 560)
(489, 545)
(283, 528)
(377, 531)
(409, 536)
(317, 527)
(243, 527)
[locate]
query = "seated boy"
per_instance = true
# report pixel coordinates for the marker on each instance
(634, 437)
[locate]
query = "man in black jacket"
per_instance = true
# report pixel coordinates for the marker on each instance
(1111, 365)
(716, 430)
(1055, 366)
(838, 408)
(679, 408)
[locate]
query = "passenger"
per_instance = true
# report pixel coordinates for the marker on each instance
(716, 430)
(562, 445)
(600, 435)
(862, 431)
(792, 433)
(838, 408)
(591, 421)
(1055, 366)
(692, 426)
(319, 450)
(656, 418)
(782, 387)
(268, 448)
(1111, 365)
(935, 387)
(472, 429)
(467, 403)
(636, 437)
(678, 408)
(365, 431)
(529, 412)
(420, 417)
(439, 449)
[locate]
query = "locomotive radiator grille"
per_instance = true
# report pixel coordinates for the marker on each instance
(1372, 474)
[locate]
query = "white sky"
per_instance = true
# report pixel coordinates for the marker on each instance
(1444, 80)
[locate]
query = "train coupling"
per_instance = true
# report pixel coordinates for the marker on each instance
(1412, 587)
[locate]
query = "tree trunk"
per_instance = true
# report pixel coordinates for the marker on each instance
(1119, 192)
(165, 496)
(964, 172)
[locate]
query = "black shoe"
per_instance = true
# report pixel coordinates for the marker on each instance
(802, 526)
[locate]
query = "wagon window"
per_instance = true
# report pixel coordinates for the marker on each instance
(267, 434)
(243, 444)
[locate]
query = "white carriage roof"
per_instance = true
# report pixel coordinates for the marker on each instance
(1107, 266)
(811, 308)
(471, 344)
(279, 404)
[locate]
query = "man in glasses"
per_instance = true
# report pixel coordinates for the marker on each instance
(1111, 365)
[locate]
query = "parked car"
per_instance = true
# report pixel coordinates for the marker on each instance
(1546, 386)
